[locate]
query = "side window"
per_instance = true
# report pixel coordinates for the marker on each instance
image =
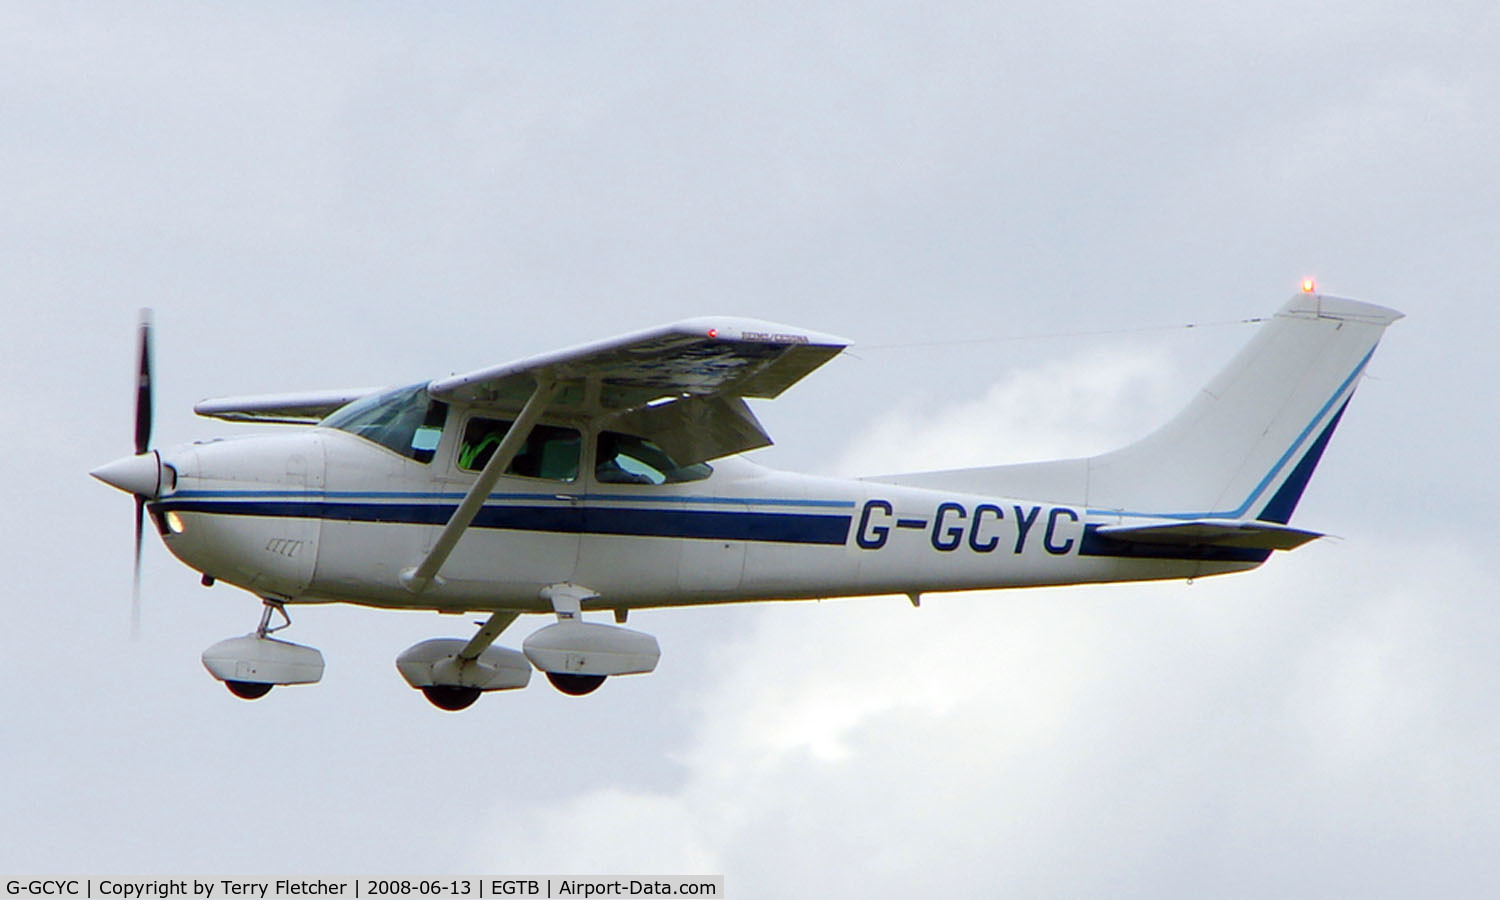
(627, 459)
(550, 451)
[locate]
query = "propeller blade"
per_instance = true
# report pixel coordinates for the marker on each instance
(143, 389)
(135, 593)
(143, 417)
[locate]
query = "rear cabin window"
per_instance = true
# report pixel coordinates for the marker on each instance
(627, 459)
(405, 420)
(550, 451)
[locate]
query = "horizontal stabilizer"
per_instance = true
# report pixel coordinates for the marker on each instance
(1246, 533)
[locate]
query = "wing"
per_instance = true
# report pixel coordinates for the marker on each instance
(306, 408)
(1215, 533)
(681, 385)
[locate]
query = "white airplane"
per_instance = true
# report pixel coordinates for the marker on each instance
(608, 477)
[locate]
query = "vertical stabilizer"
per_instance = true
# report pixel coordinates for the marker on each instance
(1246, 445)
(1243, 448)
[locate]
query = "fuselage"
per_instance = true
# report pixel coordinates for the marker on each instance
(324, 515)
(607, 476)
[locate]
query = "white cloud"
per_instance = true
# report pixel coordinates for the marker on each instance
(1072, 406)
(1271, 733)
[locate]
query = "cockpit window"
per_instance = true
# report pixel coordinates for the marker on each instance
(405, 420)
(550, 451)
(627, 459)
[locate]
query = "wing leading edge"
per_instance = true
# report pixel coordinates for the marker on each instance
(304, 408)
(681, 385)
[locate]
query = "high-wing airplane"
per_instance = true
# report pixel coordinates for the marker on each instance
(608, 477)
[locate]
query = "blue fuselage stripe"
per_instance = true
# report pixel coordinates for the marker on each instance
(780, 527)
(455, 497)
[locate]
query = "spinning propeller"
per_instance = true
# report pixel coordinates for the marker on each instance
(141, 474)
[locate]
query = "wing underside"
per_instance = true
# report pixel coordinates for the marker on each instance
(682, 385)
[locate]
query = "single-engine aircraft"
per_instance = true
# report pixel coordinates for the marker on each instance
(608, 477)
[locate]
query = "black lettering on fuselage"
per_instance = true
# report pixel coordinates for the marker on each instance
(871, 536)
(1024, 521)
(950, 539)
(1047, 539)
(975, 543)
(953, 526)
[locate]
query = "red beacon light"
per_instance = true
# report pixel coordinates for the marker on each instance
(713, 332)
(1309, 286)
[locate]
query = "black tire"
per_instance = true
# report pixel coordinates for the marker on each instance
(249, 690)
(575, 685)
(451, 697)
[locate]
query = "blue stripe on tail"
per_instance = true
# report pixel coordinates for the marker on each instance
(1283, 504)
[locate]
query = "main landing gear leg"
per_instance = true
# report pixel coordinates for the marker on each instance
(567, 602)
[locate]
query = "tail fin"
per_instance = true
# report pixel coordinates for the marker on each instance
(1245, 446)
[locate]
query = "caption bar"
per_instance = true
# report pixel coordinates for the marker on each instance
(359, 888)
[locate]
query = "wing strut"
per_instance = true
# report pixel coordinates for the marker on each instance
(417, 578)
(491, 629)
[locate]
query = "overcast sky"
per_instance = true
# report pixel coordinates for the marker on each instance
(1011, 209)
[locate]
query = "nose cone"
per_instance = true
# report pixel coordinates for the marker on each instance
(139, 475)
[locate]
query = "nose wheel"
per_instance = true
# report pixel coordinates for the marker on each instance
(254, 690)
(251, 665)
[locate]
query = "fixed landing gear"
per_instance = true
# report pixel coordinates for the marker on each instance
(252, 664)
(254, 690)
(452, 673)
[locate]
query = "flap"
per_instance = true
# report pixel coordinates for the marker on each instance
(1249, 533)
(696, 429)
